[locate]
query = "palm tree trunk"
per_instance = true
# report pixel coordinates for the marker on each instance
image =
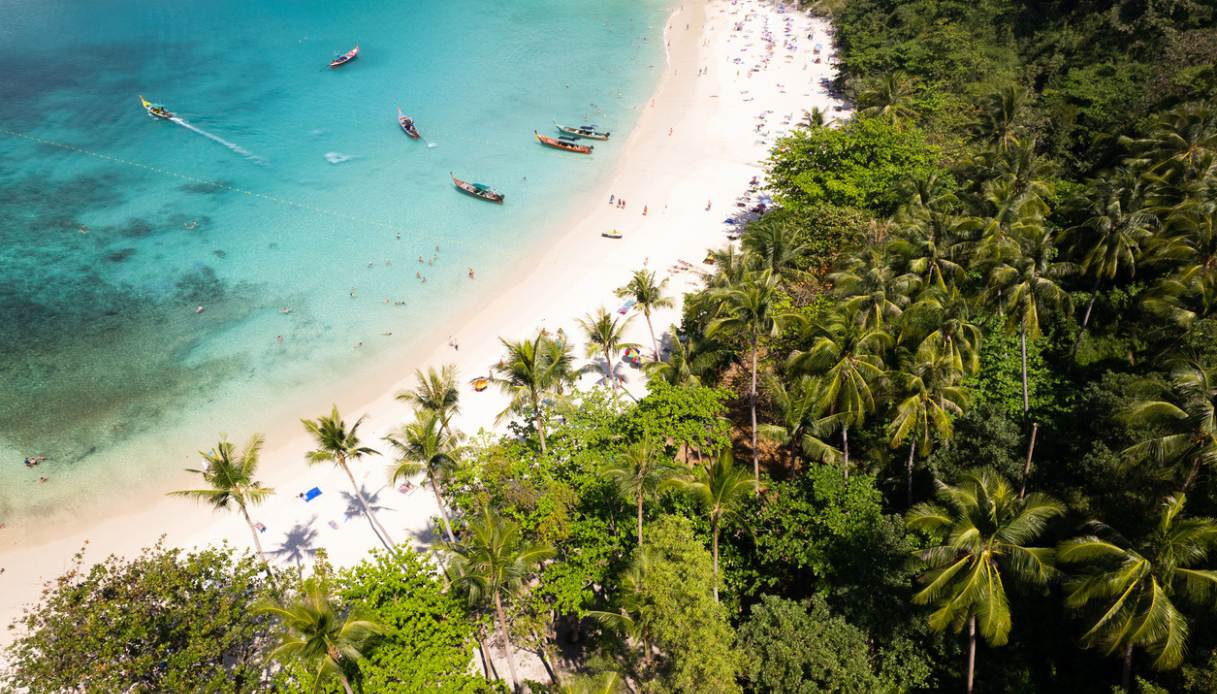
(346, 685)
(971, 651)
(536, 419)
(1126, 676)
(639, 519)
(443, 513)
(909, 472)
(1191, 475)
(367, 511)
(714, 544)
(1022, 339)
(254, 531)
(654, 343)
(487, 664)
(608, 364)
(1094, 294)
(511, 662)
(1022, 490)
(756, 463)
(845, 448)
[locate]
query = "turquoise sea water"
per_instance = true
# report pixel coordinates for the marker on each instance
(294, 180)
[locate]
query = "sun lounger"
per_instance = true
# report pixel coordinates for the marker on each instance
(312, 494)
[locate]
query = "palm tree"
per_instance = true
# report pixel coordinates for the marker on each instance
(230, 480)
(932, 399)
(425, 445)
(1189, 250)
(942, 320)
(1189, 414)
(677, 368)
(605, 336)
(926, 243)
(1025, 285)
(871, 289)
(436, 392)
(998, 123)
(1113, 234)
(889, 97)
(638, 472)
(494, 562)
(1180, 148)
(721, 488)
(849, 357)
(338, 445)
(318, 635)
(800, 430)
(530, 371)
(987, 528)
(1134, 584)
(777, 241)
(752, 312)
(647, 296)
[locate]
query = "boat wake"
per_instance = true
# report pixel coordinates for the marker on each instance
(216, 138)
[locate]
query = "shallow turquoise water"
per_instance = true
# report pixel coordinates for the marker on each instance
(104, 362)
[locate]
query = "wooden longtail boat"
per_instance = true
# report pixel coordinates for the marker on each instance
(477, 190)
(345, 57)
(590, 132)
(407, 124)
(565, 142)
(155, 110)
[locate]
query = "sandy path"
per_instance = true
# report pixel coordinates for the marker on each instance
(696, 141)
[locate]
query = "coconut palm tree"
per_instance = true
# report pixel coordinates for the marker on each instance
(889, 97)
(494, 562)
(1024, 284)
(424, 445)
(647, 296)
(722, 489)
(638, 472)
(926, 245)
(1188, 250)
(849, 358)
(1188, 413)
(1181, 147)
(338, 445)
(230, 481)
(437, 392)
(777, 241)
(1113, 235)
(941, 323)
(605, 333)
(931, 398)
(677, 367)
(799, 428)
(531, 371)
(1135, 584)
(871, 290)
(998, 124)
(318, 635)
(986, 529)
(751, 311)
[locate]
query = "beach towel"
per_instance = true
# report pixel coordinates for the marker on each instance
(312, 494)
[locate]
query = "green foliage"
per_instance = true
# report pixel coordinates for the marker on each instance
(165, 620)
(428, 639)
(685, 415)
(860, 164)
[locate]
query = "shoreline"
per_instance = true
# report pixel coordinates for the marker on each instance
(692, 143)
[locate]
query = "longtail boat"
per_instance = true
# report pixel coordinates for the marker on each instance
(590, 132)
(155, 110)
(477, 190)
(407, 124)
(565, 142)
(345, 58)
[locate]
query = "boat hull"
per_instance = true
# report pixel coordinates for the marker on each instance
(585, 134)
(480, 193)
(564, 146)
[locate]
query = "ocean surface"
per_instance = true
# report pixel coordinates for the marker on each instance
(285, 202)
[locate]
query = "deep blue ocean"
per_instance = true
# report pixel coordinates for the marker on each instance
(286, 186)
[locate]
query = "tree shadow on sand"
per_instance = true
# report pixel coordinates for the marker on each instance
(354, 510)
(298, 543)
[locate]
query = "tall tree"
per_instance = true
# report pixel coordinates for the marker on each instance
(648, 295)
(494, 561)
(1188, 414)
(871, 290)
(890, 97)
(436, 392)
(638, 472)
(931, 398)
(721, 488)
(752, 312)
(800, 428)
(1135, 584)
(986, 529)
(605, 333)
(230, 481)
(319, 635)
(338, 445)
(532, 370)
(424, 445)
(849, 357)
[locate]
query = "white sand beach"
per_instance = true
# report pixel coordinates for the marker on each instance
(696, 143)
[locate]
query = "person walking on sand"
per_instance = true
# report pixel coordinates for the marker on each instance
(644, 210)
(612, 199)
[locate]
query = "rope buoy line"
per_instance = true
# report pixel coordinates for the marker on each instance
(194, 179)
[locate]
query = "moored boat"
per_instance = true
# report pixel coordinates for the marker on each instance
(611, 234)
(565, 142)
(477, 190)
(345, 58)
(590, 132)
(407, 124)
(155, 110)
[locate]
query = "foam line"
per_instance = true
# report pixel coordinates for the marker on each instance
(216, 138)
